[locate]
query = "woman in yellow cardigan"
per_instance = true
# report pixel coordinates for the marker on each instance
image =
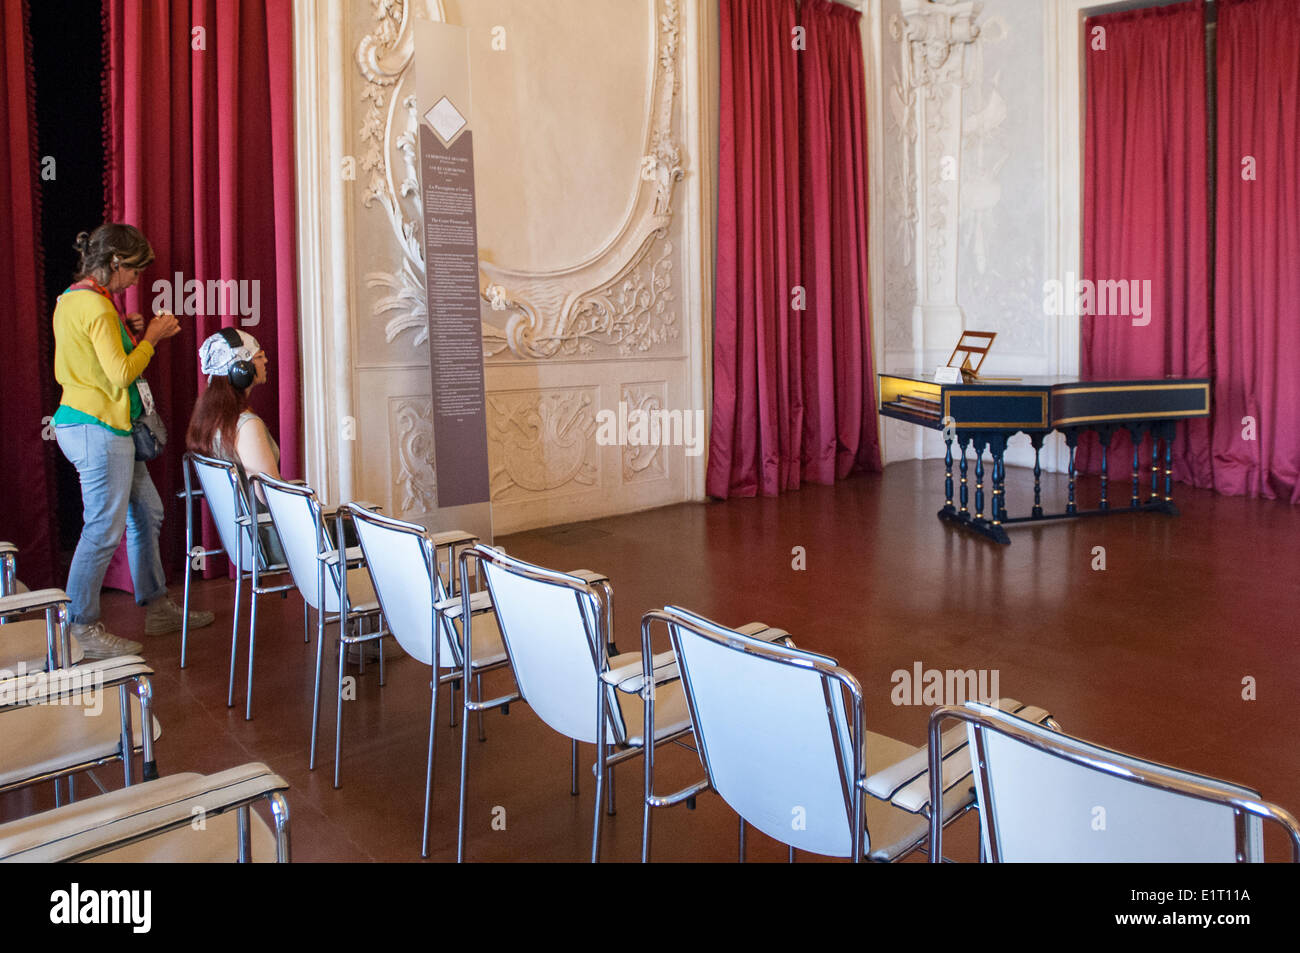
(99, 368)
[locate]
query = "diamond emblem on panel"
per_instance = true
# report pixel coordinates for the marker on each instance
(445, 119)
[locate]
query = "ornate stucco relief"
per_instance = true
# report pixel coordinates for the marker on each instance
(932, 37)
(1001, 255)
(410, 427)
(620, 298)
(542, 442)
(644, 462)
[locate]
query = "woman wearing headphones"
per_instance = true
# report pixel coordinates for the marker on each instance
(222, 424)
(99, 365)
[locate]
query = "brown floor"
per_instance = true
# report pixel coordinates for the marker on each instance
(1147, 657)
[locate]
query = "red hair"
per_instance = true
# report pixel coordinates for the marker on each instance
(216, 412)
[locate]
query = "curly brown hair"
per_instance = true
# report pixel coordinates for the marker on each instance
(109, 247)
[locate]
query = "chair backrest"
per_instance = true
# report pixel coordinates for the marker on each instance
(227, 497)
(400, 558)
(1045, 796)
(296, 515)
(552, 625)
(773, 731)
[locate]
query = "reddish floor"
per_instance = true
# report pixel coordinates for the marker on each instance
(1147, 656)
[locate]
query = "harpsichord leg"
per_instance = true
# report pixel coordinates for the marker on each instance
(1071, 441)
(1036, 440)
(963, 444)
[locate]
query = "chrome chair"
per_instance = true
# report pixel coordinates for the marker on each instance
(242, 530)
(8, 568)
(33, 645)
(332, 582)
(780, 733)
(557, 628)
(61, 722)
(183, 817)
(1046, 796)
(405, 563)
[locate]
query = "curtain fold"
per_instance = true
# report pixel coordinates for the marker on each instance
(200, 104)
(840, 393)
(793, 396)
(1257, 242)
(1146, 212)
(26, 457)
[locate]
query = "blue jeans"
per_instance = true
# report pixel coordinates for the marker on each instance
(116, 494)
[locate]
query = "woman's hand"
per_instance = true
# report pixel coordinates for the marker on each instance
(135, 322)
(162, 327)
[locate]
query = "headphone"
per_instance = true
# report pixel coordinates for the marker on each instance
(241, 373)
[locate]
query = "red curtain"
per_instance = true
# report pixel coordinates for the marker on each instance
(26, 519)
(793, 397)
(839, 387)
(1146, 209)
(199, 103)
(1257, 240)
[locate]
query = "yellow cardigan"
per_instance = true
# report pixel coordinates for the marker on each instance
(89, 360)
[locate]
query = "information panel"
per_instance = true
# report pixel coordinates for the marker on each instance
(446, 143)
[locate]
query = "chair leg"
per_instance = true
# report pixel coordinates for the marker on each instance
(600, 788)
(380, 642)
(600, 773)
(306, 632)
(573, 767)
(464, 782)
(315, 698)
(478, 696)
(428, 768)
(609, 793)
(742, 840)
(185, 607)
(361, 647)
(791, 860)
(649, 755)
(454, 686)
(252, 636)
(234, 642)
(338, 717)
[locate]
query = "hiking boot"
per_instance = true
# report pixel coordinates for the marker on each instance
(97, 643)
(163, 616)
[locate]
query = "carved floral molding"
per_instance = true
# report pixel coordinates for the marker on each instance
(541, 441)
(620, 297)
(925, 102)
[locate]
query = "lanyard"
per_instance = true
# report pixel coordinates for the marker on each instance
(90, 284)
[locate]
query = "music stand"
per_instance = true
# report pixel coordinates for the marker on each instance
(972, 343)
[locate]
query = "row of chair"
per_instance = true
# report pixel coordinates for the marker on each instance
(779, 730)
(60, 720)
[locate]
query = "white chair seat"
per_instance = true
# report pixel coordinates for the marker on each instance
(672, 714)
(891, 831)
(97, 822)
(361, 593)
(215, 844)
(489, 647)
(23, 643)
(44, 738)
(906, 783)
